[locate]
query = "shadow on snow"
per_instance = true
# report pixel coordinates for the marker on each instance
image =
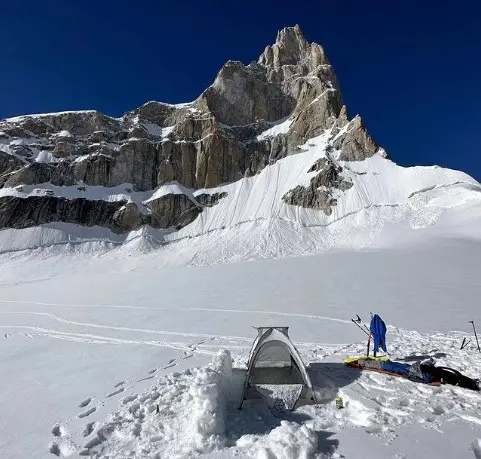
(256, 419)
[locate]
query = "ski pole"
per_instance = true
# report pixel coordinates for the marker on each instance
(465, 343)
(356, 323)
(366, 330)
(475, 335)
(359, 321)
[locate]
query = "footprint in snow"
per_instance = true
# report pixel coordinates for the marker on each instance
(117, 392)
(92, 444)
(85, 402)
(89, 428)
(121, 383)
(476, 447)
(171, 363)
(87, 413)
(129, 399)
(438, 410)
(151, 372)
(58, 430)
(156, 438)
(374, 429)
(145, 379)
(55, 449)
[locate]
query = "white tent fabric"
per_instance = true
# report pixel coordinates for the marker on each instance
(275, 361)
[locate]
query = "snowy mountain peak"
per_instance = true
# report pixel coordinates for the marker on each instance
(268, 140)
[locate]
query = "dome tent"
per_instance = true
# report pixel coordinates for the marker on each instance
(275, 371)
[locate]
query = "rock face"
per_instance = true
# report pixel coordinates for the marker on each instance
(24, 212)
(219, 138)
(173, 210)
(320, 194)
(209, 200)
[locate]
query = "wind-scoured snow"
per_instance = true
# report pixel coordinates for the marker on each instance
(20, 118)
(281, 127)
(172, 188)
(378, 182)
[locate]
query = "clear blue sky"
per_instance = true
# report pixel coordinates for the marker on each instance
(412, 69)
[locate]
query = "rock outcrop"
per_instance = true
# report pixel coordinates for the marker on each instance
(219, 138)
(209, 200)
(37, 210)
(320, 194)
(173, 210)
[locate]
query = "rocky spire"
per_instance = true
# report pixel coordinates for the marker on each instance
(215, 139)
(291, 48)
(289, 76)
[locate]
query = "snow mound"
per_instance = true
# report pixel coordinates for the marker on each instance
(183, 414)
(288, 441)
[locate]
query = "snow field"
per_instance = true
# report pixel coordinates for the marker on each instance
(198, 416)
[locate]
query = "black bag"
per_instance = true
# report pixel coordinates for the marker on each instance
(446, 375)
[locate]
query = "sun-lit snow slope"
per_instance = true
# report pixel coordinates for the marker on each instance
(377, 182)
(254, 221)
(91, 345)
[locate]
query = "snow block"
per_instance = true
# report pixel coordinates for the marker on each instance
(209, 403)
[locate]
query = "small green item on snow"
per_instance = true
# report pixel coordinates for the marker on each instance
(339, 403)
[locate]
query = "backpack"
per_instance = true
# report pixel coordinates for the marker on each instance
(446, 375)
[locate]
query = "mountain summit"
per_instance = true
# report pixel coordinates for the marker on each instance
(267, 140)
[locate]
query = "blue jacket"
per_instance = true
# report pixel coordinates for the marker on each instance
(378, 332)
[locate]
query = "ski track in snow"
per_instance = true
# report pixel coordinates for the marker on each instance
(200, 347)
(237, 311)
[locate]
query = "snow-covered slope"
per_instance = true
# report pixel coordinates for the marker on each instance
(265, 152)
(91, 346)
(253, 211)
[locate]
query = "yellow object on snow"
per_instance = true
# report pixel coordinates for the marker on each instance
(382, 358)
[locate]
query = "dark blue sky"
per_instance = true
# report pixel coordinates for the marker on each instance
(411, 69)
